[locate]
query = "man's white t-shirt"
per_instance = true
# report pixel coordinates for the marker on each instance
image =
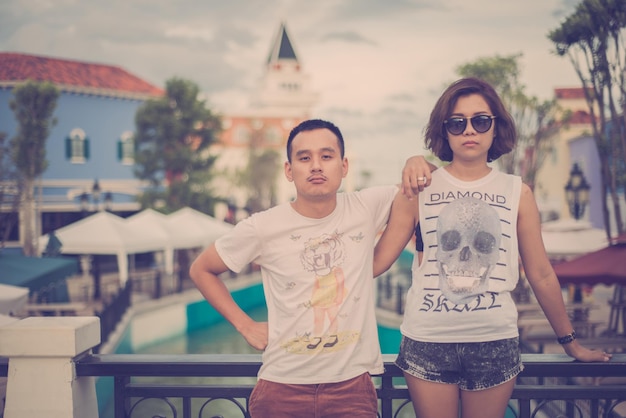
(318, 284)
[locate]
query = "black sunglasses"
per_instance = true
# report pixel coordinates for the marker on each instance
(456, 125)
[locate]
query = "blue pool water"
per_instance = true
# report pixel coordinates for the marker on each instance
(215, 339)
(222, 338)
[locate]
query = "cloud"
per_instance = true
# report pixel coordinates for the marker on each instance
(348, 37)
(187, 33)
(378, 66)
(375, 9)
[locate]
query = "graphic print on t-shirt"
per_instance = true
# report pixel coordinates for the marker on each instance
(323, 256)
(468, 235)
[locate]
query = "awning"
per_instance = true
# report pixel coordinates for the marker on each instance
(36, 273)
(607, 266)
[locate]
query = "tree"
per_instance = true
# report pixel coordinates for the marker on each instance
(262, 173)
(535, 120)
(592, 39)
(10, 188)
(173, 134)
(260, 176)
(33, 104)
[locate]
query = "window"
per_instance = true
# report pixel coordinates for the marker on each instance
(77, 146)
(290, 86)
(241, 135)
(273, 135)
(126, 148)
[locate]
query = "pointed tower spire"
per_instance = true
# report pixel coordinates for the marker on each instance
(284, 89)
(282, 48)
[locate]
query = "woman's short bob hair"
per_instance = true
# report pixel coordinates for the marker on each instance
(436, 136)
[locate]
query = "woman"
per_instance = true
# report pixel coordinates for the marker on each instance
(460, 345)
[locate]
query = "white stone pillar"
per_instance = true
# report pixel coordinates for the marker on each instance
(42, 380)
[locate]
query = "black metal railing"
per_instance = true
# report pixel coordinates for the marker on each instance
(113, 311)
(392, 288)
(553, 384)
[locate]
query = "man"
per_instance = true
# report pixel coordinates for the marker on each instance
(316, 257)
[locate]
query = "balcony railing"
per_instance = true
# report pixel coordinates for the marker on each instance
(52, 372)
(550, 385)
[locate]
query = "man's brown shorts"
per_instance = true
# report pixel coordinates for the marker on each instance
(355, 397)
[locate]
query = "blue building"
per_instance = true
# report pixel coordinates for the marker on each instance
(90, 149)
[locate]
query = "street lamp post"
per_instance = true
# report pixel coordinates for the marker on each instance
(84, 204)
(577, 192)
(90, 199)
(577, 196)
(95, 193)
(108, 201)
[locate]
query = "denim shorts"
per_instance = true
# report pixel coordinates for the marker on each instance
(471, 366)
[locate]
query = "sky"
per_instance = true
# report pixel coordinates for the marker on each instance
(377, 65)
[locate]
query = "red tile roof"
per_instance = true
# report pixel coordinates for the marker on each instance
(570, 93)
(76, 76)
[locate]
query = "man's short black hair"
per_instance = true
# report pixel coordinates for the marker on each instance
(311, 125)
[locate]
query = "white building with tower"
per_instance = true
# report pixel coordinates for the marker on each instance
(252, 147)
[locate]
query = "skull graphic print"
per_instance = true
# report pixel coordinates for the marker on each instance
(468, 234)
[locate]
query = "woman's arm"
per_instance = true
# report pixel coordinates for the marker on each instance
(542, 278)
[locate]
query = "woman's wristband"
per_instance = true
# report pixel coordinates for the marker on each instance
(566, 339)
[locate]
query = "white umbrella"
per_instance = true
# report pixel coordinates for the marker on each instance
(106, 233)
(12, 298)
(191, 228)
(153, 223)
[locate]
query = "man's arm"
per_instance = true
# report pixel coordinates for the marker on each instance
(400, 228)
(204, 272)
(416, 175)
